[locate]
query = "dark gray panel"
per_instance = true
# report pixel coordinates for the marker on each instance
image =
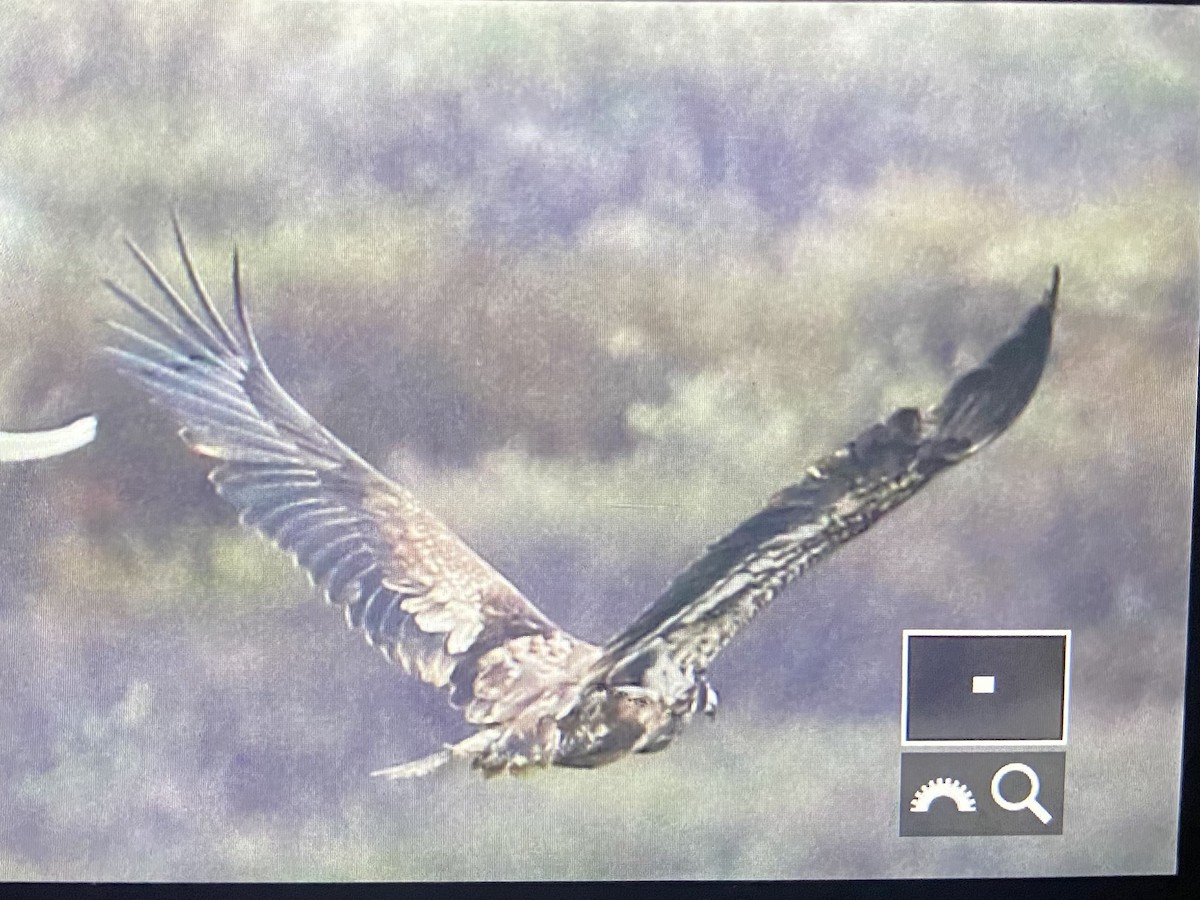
(963, 801)
(1027, 703)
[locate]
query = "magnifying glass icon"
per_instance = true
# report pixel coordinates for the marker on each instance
(1030, 801)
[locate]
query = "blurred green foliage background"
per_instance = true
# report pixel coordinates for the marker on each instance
(594, 281)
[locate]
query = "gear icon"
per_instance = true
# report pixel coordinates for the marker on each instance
(951, 788)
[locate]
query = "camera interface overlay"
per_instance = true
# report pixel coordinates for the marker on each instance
(991, 793)
(989, 695)
(985, 688)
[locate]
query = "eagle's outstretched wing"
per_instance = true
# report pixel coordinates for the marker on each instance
(840, 497)
(406, 580)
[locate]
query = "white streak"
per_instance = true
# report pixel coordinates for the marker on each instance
(27, 445)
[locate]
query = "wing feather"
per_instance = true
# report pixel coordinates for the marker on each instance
(839, 497)
(403, 578)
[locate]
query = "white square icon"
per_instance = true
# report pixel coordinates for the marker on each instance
(983, 684)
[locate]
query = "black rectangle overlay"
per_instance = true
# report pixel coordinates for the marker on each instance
(986, 688)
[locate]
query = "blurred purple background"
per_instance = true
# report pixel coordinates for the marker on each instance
(594, 282)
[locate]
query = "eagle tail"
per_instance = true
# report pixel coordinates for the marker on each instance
(468, 749)
(417, 768)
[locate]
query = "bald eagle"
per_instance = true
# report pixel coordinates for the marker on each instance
(536, 695)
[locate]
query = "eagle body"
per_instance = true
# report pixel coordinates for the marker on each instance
(535, 694)
(597, 726)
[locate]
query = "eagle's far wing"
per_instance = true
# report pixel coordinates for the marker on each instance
(403, 578)
(840, 497)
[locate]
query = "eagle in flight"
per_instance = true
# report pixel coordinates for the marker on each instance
(536, 695)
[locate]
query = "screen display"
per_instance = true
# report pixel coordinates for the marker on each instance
(557, 441)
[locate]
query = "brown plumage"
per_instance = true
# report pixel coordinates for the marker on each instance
(536, 694)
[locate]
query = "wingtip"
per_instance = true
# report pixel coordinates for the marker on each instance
(125, 295)
(1051, 296)
(239, 297)
(177, 227)
(240, 307)
(137, 251)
